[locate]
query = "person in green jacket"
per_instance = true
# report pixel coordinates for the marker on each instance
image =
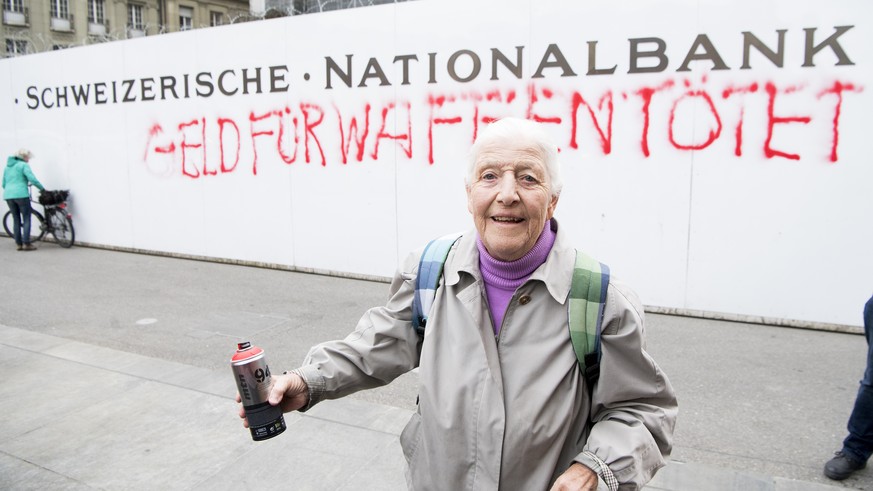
(16, 177)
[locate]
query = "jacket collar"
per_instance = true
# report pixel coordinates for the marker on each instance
(556, 273)
(464, 258)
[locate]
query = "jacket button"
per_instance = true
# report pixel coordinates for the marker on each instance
(524, 299)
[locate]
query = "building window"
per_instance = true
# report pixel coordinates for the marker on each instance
(13, 6)
(216, 19)
(60, 9)
(61, 19)
(16, 47)
(134, 17)
(14, 13)
(186, 18)
(96, 11)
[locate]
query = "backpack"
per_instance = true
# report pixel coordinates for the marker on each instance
(585, 304)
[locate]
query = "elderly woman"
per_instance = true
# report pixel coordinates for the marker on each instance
(16, 177)
(503, 403)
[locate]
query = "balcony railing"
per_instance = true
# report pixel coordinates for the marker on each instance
(15, 18)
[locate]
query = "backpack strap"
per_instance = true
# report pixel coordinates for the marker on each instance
(586, 302)
(430, 270)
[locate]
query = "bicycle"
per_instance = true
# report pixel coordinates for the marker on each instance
(57, 221)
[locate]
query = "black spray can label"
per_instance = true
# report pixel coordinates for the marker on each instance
(253, 381)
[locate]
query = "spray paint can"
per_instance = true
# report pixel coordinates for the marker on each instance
(253, 381)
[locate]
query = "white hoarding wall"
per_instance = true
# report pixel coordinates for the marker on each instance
(716, 153)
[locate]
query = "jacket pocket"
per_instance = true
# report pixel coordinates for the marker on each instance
(410, 437)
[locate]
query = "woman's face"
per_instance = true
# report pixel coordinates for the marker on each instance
(509, 196)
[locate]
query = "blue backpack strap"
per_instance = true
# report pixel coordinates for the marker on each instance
(586, 302)
(430, 270)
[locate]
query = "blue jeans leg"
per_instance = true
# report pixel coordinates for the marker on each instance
(25, 221)
(20, 208)
(859, 443)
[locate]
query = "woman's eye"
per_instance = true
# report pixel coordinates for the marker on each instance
(489, 176)
(529, 179)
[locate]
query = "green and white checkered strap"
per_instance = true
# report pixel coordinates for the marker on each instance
(603, 471)
(586, 302)
(430, 270)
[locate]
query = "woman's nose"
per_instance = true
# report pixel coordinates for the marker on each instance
(508, 192)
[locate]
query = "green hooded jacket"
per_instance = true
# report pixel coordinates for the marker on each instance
(16, 176)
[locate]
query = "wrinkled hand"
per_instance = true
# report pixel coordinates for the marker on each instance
(576, 478)
(288, 391)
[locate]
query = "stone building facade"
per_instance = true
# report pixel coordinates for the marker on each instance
(31, 26)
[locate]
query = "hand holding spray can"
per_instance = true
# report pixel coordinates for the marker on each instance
(253, 381)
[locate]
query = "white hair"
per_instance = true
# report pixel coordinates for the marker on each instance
(518, 132)
(24, 154)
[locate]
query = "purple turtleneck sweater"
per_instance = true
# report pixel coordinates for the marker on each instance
(502, 278)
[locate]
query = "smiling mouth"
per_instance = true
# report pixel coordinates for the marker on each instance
(507, 219)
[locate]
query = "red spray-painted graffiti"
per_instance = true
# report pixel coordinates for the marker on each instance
(203, 146)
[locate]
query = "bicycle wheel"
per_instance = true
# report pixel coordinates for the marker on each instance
(7, 223)
(61, 227)
(37, 225)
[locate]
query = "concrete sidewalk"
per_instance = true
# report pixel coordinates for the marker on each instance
(78, 416)
(115, 376)
(82, 417)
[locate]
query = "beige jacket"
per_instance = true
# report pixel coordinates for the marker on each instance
(511, 411)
